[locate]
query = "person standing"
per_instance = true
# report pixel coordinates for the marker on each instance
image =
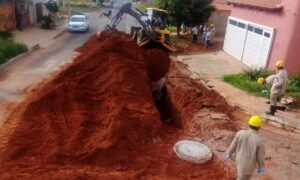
(249, 148)
(195, 34)
(213, 32)
(204, 30)
(279, 83)
(207, 38)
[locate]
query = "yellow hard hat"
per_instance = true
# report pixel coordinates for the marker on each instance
(255, 121)
(279, 64)
(260, 81)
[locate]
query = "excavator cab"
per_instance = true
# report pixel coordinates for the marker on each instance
(158, 17)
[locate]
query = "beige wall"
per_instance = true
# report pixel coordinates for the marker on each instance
(219, 19)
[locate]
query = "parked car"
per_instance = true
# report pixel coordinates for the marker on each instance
(78, 23)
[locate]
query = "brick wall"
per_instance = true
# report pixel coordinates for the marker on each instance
(7, 17)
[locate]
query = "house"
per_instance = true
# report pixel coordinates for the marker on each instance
(260, 32)
(7, 15)
(220, 16)
(21, 14)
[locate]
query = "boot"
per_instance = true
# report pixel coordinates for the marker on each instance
(271, 111)
(281, 108)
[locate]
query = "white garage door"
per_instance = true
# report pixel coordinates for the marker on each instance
(234, 38)
(254, 43)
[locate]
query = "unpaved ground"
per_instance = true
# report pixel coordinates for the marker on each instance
(97, 120)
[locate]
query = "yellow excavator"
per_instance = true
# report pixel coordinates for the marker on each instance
(152, 27)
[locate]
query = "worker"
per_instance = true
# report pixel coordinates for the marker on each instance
(213, 33)
(195, 34)
(249, 148)
(279, 83)
(158, 22)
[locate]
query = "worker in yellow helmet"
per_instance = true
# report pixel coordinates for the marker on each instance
(249, 149)
(279, 83)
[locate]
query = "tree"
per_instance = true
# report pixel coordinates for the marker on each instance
(52, 6)
(187, 12)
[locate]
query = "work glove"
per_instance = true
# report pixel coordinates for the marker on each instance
(260, 170)
(227, 157)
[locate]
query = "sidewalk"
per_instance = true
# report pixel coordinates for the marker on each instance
(212, 66)
(35, 36)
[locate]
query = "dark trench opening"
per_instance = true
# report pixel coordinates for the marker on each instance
(163, 105)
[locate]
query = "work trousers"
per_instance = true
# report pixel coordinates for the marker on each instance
(273, 98)
(244, 177)
(195, 37)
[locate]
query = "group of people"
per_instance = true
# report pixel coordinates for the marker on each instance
(248, 144)
(207, 34)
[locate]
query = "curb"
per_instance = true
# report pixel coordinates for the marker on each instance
(59, 34)
(10, 61)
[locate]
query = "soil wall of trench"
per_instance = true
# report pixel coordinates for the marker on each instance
(97, 120)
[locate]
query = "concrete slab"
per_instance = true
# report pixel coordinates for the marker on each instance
(213, 65)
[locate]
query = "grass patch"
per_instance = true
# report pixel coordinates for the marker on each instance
(247, 82)
(173, 29)
(10, 49)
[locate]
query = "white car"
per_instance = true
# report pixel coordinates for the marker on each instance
(78, 23)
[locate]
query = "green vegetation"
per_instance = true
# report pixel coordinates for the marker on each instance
(172, 29)
(187, 12)
(78, 6)
(10, 49)
(247, 82)
(142, 7)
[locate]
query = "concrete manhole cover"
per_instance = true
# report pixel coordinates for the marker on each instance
(192, 151)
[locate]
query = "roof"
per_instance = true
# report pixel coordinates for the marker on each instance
(221, 5)
(264, 4)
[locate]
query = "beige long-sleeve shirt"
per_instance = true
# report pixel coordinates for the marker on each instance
(250, 151)
(280, 82)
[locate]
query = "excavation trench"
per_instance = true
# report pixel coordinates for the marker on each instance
(97, 119)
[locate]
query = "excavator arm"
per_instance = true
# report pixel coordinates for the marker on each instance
(127, 9)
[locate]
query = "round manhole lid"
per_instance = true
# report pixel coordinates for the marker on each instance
(192, 151)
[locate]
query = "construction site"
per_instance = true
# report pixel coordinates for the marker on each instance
(119, 111)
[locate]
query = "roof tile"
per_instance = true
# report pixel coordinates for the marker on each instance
(268, 4)
(221, 5)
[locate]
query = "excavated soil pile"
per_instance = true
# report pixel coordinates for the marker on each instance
(97, 120)
(195, 107)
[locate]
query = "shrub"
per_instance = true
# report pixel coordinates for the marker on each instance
(9, 49)
(254, 74)
(6, 35)
(47, 22)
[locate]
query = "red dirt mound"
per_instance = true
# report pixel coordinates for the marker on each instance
(102, 104)
(97, 120)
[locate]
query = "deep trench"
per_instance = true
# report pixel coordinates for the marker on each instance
(163, 106)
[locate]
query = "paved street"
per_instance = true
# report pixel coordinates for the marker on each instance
(16, 77)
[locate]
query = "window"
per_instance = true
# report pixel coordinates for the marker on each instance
(232, 22)
(250, 28)
(241, 25)
(266, 34)
(258, 31)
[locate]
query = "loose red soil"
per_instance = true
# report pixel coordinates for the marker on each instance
(97, 120)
